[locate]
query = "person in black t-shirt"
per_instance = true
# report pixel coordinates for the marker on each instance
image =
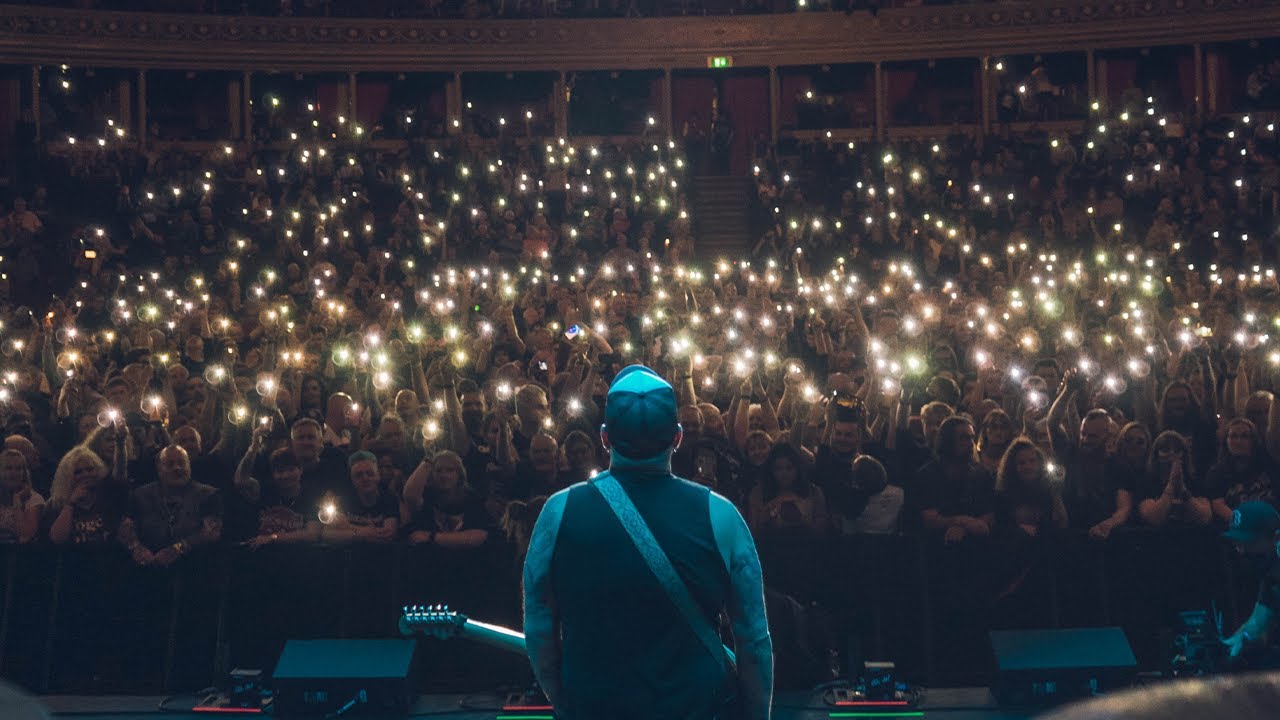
(1244, 471)
(367, 513)
(957, 494)
(1255, 530)
(440, 508)
(286, 509)
(1026, 499)
(87, 502)
(1171, 491)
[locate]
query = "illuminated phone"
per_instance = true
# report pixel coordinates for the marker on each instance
(90, 254)
(572, 332)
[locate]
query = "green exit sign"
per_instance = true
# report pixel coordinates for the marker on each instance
(720, 61)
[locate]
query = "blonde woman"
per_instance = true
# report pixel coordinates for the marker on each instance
(20, 505)
(86, 506)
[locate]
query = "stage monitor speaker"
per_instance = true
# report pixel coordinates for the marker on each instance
(1046, 667)
(352, 677)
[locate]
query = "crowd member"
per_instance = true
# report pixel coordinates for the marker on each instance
(86, 504)
(439, 507)
(1243, 472)
(1027, 499)
(958, 495)
(786, 500)
(20, 505)
(1170, 491)
(172, 516)
(367, 512)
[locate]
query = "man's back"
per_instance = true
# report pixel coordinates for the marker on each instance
(627, 652)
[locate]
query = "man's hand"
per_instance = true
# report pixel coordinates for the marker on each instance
(166, 557)
(143, 556)
(259, 541)
(381, 534)
(1102, 530)
(955, 534)
(1235, 645)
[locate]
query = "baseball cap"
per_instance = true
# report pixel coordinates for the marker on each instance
(1252, 521)
(640, 413)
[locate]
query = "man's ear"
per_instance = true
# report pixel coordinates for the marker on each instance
(679, 437)
(604, 438)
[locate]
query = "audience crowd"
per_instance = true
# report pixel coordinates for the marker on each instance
(984, 341)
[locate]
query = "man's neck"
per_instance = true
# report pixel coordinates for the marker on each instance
(660, 463)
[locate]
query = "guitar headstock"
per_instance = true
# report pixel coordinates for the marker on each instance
(434, 620)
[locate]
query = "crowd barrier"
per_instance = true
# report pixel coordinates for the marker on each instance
(89, 620)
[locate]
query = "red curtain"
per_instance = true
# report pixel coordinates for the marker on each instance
(899, 84)
(1122, 74)
(791, 87)
(689, 95)
(371, 101)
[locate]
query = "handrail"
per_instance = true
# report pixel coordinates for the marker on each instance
(56, 600)
(31, 35)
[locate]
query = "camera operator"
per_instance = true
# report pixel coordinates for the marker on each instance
(1255, 530)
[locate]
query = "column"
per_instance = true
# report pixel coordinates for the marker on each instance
(984, 92)
(880, 101)
(1198, 55)
(560, 105)
(1100, 85)
(668, 104)
(246, 107)
(142, 109)
(124, 104)
(1211, 89)
(453, 105)
(353, 103)
(35, 98)
(775, 100)
(234, 111)
(1090, 74)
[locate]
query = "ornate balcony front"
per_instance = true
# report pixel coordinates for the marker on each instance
(197, 42)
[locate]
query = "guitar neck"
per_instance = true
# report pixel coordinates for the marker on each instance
(494, 636)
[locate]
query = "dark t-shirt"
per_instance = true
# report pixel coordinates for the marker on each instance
(528, 483)
(163, 519)
(385, 507)
(469, 515)
(833, 472)
(969, 490)
(1088, 488)
(99, 523)
(1236, 486)
(277, 514)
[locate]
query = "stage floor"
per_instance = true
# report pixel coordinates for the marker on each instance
(941, 703)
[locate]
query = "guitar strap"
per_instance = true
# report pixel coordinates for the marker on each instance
(661, 567)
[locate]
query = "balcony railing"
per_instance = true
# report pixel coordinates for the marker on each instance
(199, 42)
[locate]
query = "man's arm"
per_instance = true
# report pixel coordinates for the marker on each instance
(541, 614)
(746, 608)
(1253, 631)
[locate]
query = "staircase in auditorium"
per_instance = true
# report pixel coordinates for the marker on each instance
(722, 216)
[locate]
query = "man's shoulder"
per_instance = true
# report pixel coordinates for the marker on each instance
(147, 492)
(202, 490)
